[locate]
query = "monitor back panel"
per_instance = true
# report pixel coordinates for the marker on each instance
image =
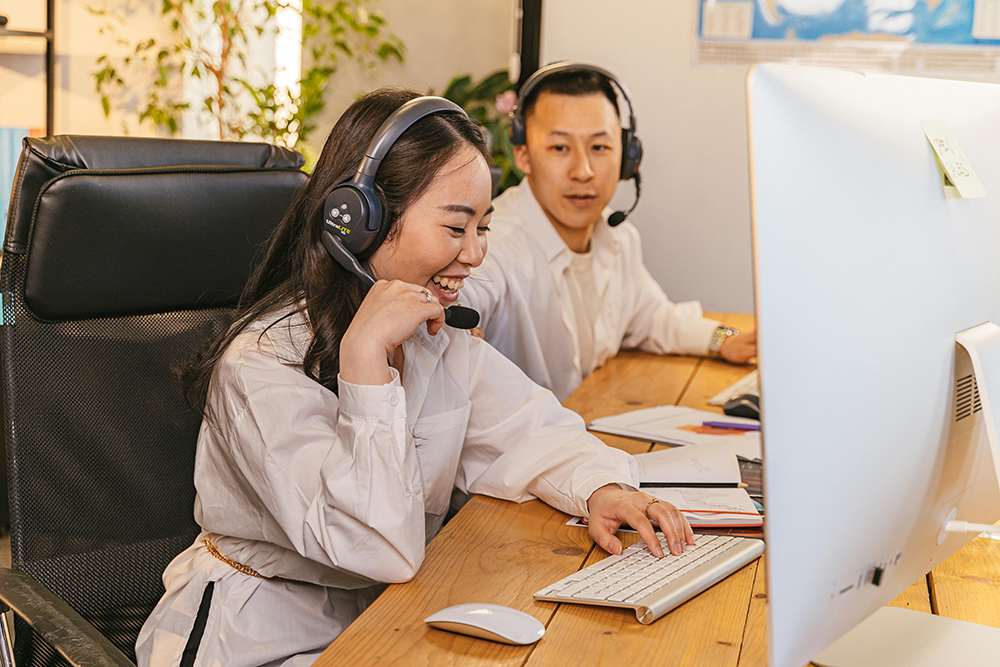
(864, 273)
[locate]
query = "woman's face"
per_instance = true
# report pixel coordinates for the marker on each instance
(442, 235)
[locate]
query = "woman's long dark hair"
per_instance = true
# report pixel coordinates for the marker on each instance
(297, 271)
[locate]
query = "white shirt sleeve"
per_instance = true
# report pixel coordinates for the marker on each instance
(521, 443)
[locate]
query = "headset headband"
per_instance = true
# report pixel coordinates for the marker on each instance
(398, 122)
(631, 145)
(352, 211)
(557, 68)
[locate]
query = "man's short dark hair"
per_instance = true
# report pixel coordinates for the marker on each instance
(576, 83)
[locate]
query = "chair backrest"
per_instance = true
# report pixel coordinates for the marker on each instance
(121, 256)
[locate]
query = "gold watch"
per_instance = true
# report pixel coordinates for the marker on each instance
(719, 336)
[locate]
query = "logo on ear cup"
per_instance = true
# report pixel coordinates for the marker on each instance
(354, 216)
(337, 218)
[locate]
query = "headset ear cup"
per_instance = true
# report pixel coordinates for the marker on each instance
(377, 231)
(631, 155)
(517, 131)
(354, 215)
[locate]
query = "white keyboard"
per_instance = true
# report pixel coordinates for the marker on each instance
(653, 586)
(745, 385)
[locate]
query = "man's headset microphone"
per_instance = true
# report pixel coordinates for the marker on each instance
(352, 212)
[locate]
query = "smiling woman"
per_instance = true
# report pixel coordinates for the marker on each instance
(444, 231)
(339, 418)
(441, 237)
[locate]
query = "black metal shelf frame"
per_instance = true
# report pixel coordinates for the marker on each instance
(50, 60)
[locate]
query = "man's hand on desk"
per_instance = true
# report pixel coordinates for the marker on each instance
(739, 349)
(610, 506)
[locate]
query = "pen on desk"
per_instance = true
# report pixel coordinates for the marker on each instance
(733, 425)
(693, 485)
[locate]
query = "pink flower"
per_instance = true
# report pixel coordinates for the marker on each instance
(505, 101)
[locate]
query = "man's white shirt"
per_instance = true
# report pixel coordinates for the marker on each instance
(527, 310)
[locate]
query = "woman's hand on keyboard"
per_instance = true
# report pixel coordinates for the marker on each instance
(611, 506)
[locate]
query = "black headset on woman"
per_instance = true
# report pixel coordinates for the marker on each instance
(353, 225)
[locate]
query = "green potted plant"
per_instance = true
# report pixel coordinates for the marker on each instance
(489, 101)
(210, 41)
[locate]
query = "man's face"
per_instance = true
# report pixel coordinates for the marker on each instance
(572, 160)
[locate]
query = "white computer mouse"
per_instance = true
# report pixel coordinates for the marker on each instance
(488, 621)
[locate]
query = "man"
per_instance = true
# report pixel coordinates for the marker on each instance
(561, 289)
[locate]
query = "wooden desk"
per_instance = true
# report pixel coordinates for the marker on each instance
(501, 552)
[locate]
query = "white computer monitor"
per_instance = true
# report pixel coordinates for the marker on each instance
(866, 271)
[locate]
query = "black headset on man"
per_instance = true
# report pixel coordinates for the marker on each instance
(631, 145)
(352, 213)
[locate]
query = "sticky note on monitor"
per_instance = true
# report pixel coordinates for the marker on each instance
(958, 173)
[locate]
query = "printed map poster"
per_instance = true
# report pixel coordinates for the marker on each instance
(913, 21)
(938, 31)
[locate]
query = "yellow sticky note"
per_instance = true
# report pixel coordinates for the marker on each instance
(958, 172)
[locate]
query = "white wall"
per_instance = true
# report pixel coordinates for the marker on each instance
(694, 213)
(443, 38)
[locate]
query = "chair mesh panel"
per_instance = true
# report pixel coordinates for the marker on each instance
(90, 503)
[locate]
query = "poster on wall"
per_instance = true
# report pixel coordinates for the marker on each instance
(936, 37)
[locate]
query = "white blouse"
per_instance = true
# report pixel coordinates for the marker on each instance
(342, 493)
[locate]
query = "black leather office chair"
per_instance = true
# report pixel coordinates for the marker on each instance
(121, 255)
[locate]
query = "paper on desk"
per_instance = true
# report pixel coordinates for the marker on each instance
(711, 507)
(703, 508)
(676, 425)
(705, 464)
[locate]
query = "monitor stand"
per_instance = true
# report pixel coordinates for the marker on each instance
(897, 637)
(894, 637)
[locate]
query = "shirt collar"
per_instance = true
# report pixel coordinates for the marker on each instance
(540, 229)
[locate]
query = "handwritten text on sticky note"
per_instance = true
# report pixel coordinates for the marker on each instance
(951, 159)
